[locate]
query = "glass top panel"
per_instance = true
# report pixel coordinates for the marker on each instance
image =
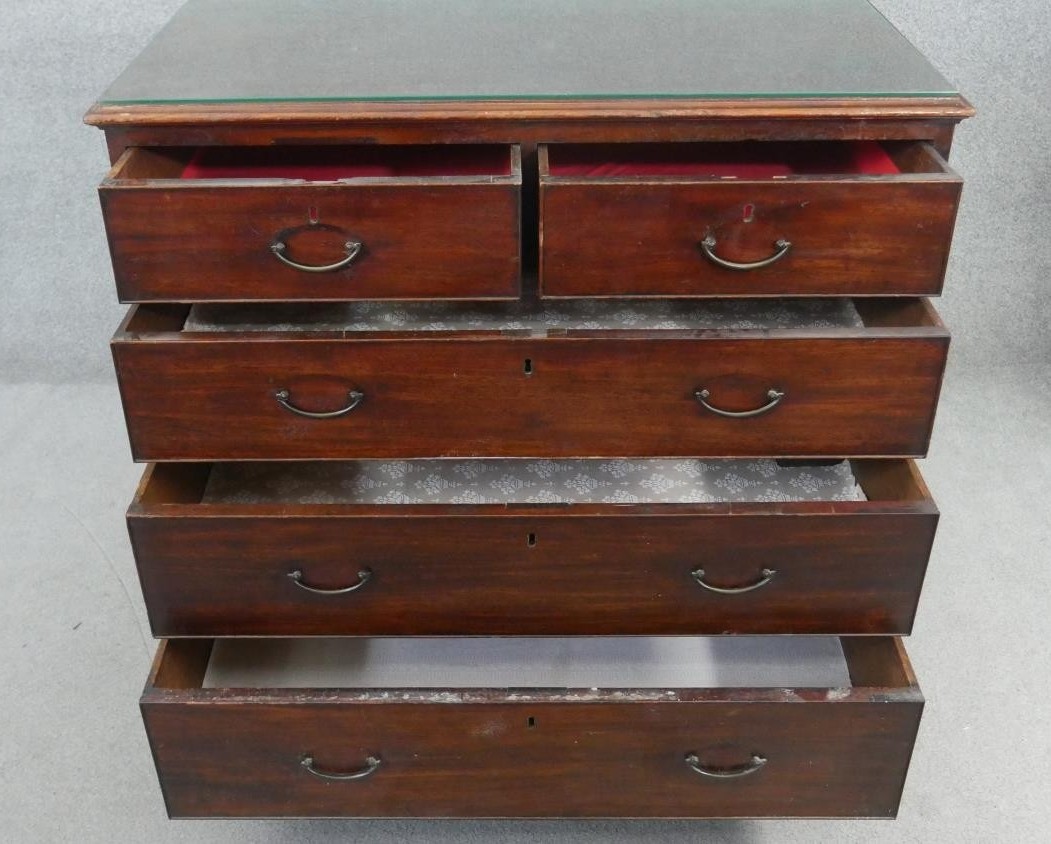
(311, 50)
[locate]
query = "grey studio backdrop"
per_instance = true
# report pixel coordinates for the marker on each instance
(74, 643)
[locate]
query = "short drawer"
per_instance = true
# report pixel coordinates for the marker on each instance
(506, 547)
(730, 727)
(815, 218)
(507, 384)
(309, 223)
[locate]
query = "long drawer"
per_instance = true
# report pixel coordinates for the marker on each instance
(330, 549)
(309, 223)
(866, 389)
(747, 220)
(836, 743)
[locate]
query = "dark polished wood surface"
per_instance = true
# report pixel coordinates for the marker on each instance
(845, 110)
(857, 235)
(851, 567)
(849, 392)
(439, 237)
(224, 570)
(534, 753)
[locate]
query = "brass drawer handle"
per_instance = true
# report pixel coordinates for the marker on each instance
(774, 395)
(372, 764)
(765, 576)
(753, 765)
(363, 577)
(353, 248)
(284, 398)
(708, 248)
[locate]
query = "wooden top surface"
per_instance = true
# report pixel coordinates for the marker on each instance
(308, 60)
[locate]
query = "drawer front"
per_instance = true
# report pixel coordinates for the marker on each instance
(859, 235)
(529, 397)
(236, 758)
(835, 572)
(188, 240)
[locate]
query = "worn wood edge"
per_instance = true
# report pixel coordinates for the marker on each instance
(167, 484)
(440, 512)
(179, 664)
(147, 319)
(585, 818)
(910, 317)
(953, 108)
(878, 665)
(168, 491)
(132, 172)
(894, 480)
(144, 491)
(878, 662)
(936, 172)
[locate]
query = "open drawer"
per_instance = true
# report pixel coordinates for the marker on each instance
(725, 727)
(314, 223)
(702, 378)
(513, 547)
(758, 219)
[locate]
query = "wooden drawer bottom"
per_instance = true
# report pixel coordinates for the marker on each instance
(622, 744)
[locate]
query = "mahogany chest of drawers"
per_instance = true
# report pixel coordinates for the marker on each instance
(492, 364)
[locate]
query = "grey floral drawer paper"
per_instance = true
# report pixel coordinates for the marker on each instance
(507, 481)
(514, 316)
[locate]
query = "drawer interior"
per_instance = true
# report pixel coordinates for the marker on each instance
(318, 163)
(886, 484)
(600, 665)
(766, 314)
(753, 160)
(642, 662)
(511, 481)
(643, 314)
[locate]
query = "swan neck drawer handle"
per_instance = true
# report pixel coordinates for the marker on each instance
(284, 398)
(754, 764)
(372, 764)
(352, 247)
(363, 577)
(708, 248)
(773, 395)
(765, 576)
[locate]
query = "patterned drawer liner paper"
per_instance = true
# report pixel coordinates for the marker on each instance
(618, 662)
(518, 481)
(734, 314)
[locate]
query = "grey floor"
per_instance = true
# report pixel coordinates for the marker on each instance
(75, 645)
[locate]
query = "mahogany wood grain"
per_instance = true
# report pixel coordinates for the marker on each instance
(850, 235)
(849, 392)
(535, 753)
(434, 237)
(427, 112)
(223, 570)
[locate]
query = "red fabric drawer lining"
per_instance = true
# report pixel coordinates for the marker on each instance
(746, 161)
(327, 163)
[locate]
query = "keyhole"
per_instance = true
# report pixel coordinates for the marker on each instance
(531, 722)
(749, 213)
(527, 366)
(531, 540)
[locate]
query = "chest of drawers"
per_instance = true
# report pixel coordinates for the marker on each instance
(492, 363)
